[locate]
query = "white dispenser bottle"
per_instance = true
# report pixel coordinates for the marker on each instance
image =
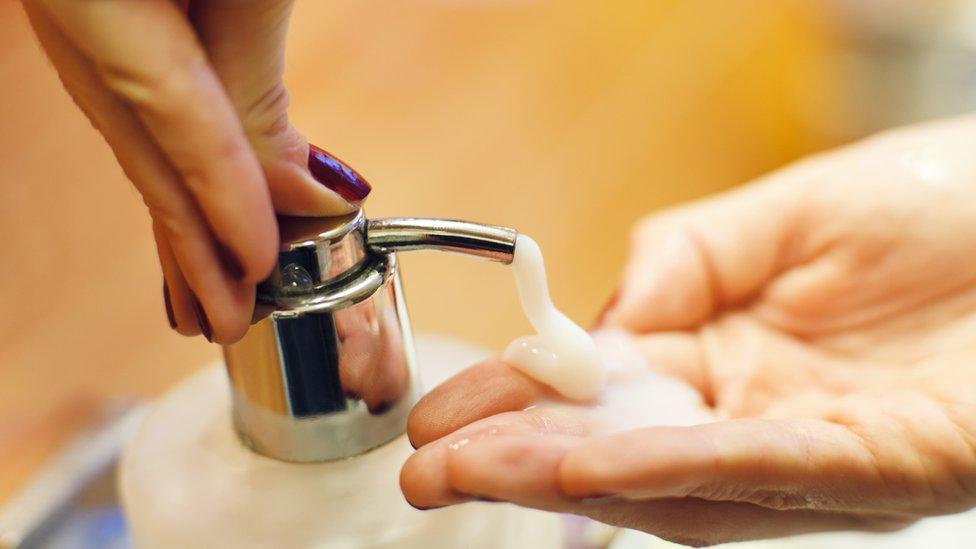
(188, 481)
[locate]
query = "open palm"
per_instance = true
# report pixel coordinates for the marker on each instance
(826, 315)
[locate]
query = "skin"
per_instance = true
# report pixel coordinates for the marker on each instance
(826, 314)
(189, 96)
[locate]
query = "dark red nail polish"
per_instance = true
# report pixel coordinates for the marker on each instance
(230, 262)
(202, 319)
(169, 306)
(336, 175)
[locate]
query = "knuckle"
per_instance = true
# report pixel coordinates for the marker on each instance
(780, 501)
(267, 116)
(200, 173)
(194, 179)
(171, 221)
(155, 88)
(771, 499)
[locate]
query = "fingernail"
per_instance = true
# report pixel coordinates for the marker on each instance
(169, 306)
(334, 174)
(230, 262)
(202, 318)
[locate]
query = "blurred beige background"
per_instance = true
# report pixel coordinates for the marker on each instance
(568, 120)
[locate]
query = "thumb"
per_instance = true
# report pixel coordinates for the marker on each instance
(688, 263)
(246, 45)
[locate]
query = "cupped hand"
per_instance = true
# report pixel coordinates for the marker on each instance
(827, 316)
(189, 96)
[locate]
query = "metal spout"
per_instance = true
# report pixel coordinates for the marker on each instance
(399, 234)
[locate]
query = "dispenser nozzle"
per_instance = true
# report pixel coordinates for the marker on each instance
(399, 234)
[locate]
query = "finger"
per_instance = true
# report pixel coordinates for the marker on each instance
(489, 388)
(147, 54)
(526, 470)
(426, 478)
(176, 216)
(245, 42)
(177, 291)
(688, 263)
(222, 305)
(782, 464)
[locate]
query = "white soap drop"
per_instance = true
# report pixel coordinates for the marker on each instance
(561, 354)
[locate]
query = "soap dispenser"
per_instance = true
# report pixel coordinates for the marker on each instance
(305, 447)
(329, 372)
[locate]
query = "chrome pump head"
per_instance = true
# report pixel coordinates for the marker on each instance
(329, 370)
